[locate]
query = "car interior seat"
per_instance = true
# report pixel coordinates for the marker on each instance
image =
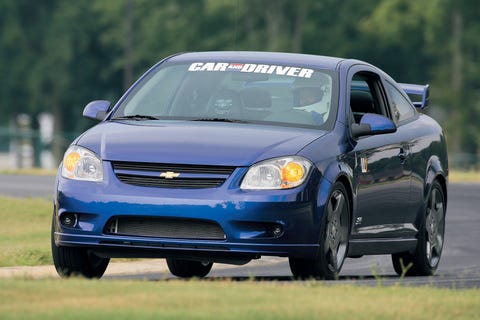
(361, 102)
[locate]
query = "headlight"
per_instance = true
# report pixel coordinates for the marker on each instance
(280, 173)
(81, 164)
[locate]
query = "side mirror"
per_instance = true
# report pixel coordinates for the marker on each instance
(373, 124)
(96, 110)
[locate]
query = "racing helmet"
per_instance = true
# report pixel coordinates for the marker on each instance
(308, 91)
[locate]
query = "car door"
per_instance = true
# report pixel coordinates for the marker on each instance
(380, 165)
(404, 115)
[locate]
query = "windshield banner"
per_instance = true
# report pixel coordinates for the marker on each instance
(252, 68)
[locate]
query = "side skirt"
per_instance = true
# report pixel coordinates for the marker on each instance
(359, 247)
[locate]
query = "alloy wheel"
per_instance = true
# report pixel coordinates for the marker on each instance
(435, 227)
(337, 230)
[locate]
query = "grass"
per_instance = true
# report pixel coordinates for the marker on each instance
(25, 232)
(82, 299)
(25, 239)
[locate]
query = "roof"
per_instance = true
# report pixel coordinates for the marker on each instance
(280, 58)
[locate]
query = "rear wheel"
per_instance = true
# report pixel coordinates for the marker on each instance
(188, 268)
(424, 261)
(72, 261)
(333, 240)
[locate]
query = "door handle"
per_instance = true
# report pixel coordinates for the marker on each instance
(403, 155)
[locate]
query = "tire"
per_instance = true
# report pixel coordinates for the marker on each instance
(424, 261)
(188, 268)
(335, 233)
(72, 261)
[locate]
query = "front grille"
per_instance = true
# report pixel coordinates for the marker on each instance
(171, 175)
(162, 182)
(165, 228)
(162, 167)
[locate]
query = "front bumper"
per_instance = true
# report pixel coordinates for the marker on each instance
(246, 218)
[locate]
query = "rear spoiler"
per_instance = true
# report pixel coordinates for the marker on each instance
(419, 94)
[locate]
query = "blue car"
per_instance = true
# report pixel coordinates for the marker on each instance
(224, 157)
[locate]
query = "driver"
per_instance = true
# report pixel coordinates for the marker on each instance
(309, 96)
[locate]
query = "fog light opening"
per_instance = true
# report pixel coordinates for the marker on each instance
(112, 226)
(69, 220)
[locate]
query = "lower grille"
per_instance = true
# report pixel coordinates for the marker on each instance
(165, 228)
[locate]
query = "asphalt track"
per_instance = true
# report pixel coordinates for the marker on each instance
(459, 267)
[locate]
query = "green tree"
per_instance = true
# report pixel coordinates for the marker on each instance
(434, 42)
(58, 55)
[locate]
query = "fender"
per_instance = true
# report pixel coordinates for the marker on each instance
(435, 170)
(340, 171)
(335, 171)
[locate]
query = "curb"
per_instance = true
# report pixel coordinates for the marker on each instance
(114, 269)
(144, 266)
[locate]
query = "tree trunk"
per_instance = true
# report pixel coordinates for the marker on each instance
(298, 26)
(274, 19)
(128, 69)
(59, 142)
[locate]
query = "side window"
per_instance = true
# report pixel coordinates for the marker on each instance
(401, 108)
(365, 96)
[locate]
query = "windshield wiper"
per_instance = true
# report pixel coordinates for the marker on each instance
(220, 120)
(137, 117)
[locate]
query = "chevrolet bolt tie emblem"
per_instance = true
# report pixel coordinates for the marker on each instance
(169, 175)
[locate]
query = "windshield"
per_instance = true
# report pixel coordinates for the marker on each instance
(236, 92)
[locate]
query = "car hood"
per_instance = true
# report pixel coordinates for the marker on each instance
(205, 143)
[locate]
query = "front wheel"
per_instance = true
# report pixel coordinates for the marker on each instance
(71, 261)
(188, 268)
(334, 237)
(424, 261)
